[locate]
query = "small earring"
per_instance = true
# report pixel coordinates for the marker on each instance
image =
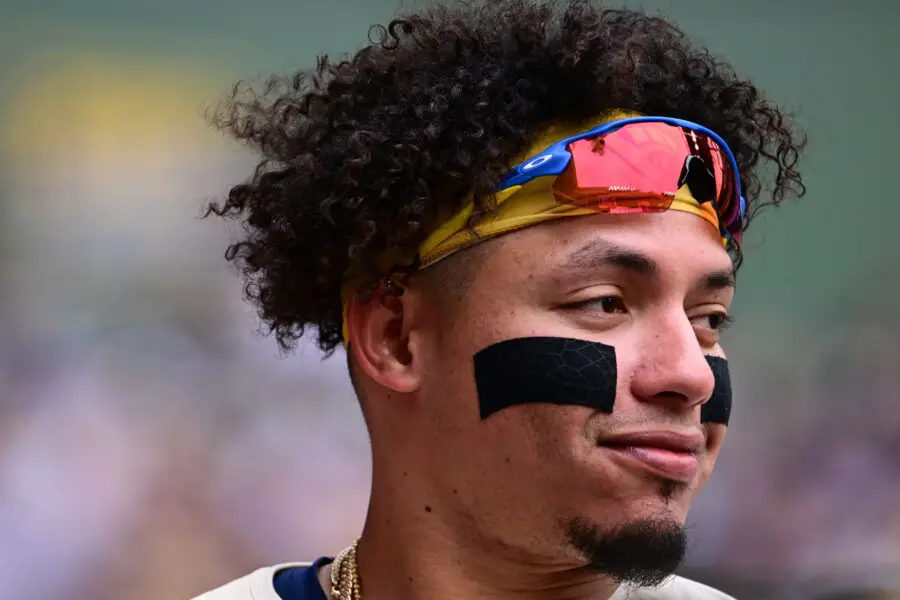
(393, 287)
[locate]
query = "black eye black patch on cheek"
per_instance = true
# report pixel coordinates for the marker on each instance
(545, 370)
(718, 408)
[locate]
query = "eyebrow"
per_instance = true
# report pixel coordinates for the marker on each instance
(596, 255)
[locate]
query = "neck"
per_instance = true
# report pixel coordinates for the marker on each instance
(408, 552)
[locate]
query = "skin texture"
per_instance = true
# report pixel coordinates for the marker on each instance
(486, 504)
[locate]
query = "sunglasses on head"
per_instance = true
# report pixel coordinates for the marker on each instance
(638, 165)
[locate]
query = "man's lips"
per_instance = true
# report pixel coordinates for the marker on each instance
(669, 454)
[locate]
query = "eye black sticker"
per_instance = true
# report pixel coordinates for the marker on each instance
(545, 370)
(718, 408)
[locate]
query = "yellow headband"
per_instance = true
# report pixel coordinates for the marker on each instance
(525, 205)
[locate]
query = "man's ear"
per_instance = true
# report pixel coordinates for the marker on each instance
(379, 326)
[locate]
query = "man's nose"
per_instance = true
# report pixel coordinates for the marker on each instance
(672, 368)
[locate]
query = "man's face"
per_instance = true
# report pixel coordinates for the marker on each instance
(546, 478)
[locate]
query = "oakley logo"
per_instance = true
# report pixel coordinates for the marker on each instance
(536, 162)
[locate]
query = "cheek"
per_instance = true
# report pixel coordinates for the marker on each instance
(443, 355)
(553, 432)
(530, 441)
(447, 393)
(536, 449)
(518, 443)
(715, 437)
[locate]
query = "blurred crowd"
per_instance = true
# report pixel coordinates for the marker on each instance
(153, 444)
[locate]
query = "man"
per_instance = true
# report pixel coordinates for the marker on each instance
(523, 222)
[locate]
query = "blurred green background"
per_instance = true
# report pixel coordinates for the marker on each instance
(145, 428)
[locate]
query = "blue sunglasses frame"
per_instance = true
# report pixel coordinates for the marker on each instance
(555, 158)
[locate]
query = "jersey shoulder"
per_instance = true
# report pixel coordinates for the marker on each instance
(255, 586)
(675, 588)
(258, 586)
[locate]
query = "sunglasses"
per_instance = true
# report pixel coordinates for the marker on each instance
(637, 165)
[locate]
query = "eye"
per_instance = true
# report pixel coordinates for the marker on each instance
(607, 304)
(612, 304)
(717, 321)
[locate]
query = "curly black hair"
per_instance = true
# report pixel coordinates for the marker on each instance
(367, 153)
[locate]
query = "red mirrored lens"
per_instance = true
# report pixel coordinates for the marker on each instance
(640, 166)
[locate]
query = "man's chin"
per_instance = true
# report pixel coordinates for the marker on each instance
(643, 552)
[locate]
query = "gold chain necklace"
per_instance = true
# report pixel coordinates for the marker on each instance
(345, 575)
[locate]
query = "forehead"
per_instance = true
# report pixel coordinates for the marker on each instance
(680, 245)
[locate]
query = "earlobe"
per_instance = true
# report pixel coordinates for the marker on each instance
(379, 330)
